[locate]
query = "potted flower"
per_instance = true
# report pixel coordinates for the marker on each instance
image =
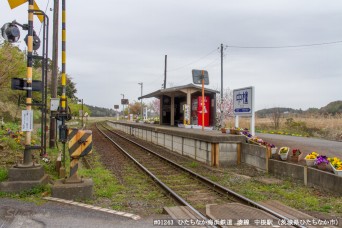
(273, 148)
(336, 165)
(296, 155)
(321, 162)
(283, 152)
(310, 158)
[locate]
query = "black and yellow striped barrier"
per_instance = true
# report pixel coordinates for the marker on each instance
(80, 144)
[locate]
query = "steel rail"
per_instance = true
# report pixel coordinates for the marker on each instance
(156, 179)
(216, 186)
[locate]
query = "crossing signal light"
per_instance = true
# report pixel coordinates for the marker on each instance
(36, 41)
(10, 32)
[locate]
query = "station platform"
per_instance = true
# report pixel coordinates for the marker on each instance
(209, 146)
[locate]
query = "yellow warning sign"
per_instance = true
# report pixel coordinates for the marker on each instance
(80, 142)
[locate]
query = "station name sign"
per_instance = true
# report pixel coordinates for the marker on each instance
(243, 101)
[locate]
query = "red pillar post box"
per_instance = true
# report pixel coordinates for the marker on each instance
(206, 111)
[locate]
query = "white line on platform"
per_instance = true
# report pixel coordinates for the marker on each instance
(106, 210)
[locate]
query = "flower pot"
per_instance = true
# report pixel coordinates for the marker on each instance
(310, 162)
(223, 130)
(283, 156)
(234, 131)
(274, 150)
(337, 172)
(322, 166)
(297, 158)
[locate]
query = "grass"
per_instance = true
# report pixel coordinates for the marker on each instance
(33, 195)
(320, 126)
(3, 174)
(192, 164)
(137, 193)
(288, 192)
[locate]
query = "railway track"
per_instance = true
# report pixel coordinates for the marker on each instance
(185, 186)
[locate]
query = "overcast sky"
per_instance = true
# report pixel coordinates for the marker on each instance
(114, 45)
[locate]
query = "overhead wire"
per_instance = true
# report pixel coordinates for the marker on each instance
(188, 64)
(285, 46)
(246, 47)
(41, 25)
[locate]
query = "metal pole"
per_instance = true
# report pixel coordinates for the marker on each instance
(82, 113)
(27, 152)
(202, 100)
(52, 142)
(165, 70)
(44, 79)
(221, 106)
(123, 106)
(141, 87)
(63, 79)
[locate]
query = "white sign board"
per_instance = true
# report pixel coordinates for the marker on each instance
(54, 104)
(243, 101)
(186, 109)
(27, 120)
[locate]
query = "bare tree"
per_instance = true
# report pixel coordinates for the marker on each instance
(275, 116)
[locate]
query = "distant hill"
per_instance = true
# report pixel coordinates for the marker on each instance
(332, 108)
(268, 111)
(100, 112)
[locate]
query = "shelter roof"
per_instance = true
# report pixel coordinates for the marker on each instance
(177, 91)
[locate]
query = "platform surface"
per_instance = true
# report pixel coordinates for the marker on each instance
(214, 136)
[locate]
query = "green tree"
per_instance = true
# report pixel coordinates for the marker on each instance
(75, 107)
(12, 64)
(70, 87)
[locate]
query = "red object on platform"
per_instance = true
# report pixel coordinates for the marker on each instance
(206, 111)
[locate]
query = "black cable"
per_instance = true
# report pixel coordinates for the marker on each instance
(285, 46)
(45, 13)
(193, 61)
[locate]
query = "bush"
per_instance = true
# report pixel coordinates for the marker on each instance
(3, 174)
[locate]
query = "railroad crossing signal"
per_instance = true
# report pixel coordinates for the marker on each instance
(10, 32)
(15, 3)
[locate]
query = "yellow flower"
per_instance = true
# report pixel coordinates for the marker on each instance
(314, 153)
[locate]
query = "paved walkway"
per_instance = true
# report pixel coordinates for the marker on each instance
(15, 213)
(306, 145)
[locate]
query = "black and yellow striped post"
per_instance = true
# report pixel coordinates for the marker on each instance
(63, 99)
(80, 144)
(27, 152)
(63, 79)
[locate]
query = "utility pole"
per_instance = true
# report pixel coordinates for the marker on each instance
(165, 70)
(221, 106)
(141, 86)
(123, 106)
(54, 80)
(81, 100)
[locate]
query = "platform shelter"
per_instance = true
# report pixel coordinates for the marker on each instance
(172, 101)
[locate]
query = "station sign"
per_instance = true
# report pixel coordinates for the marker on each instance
(243, 101)
(198, 75)
(116, 106)
(124, 101)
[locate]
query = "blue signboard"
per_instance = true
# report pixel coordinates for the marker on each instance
(243, 101)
